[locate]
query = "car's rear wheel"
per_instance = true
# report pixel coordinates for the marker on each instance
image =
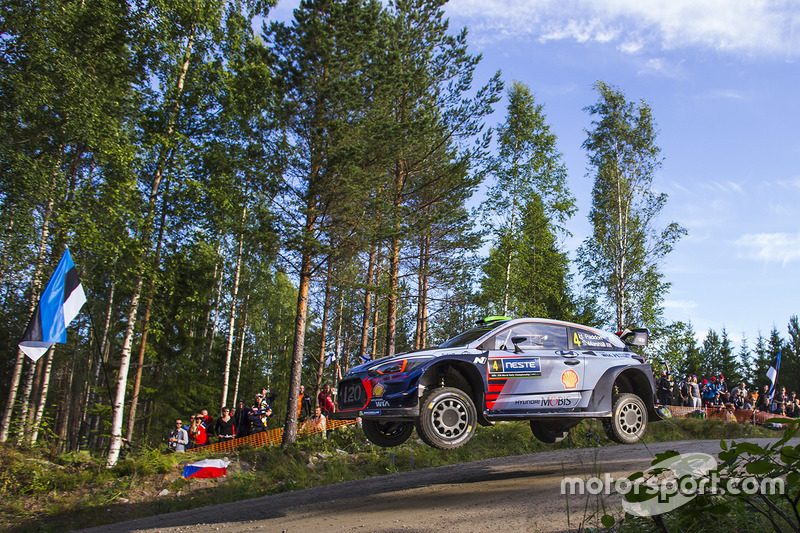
(549, 432)
(447, 418)
(387, 434)
(628, 420)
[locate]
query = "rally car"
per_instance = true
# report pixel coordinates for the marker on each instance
(550, 372)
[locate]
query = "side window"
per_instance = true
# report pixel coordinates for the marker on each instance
(588, 340)
(537, 337)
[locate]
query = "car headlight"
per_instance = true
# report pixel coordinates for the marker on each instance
(393, 367)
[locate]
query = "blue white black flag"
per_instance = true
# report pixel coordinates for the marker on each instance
(331, 358)
(772, 373)
(61, 301)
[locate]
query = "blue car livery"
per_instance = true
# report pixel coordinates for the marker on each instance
(549, 372)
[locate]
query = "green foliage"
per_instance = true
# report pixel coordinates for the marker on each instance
(755, 485)
(40, 491)
(620, 261)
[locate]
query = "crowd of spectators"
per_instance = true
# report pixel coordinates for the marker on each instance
(713, 392)
(248, 420)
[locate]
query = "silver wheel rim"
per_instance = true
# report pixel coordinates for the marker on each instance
(450, 418)
(630, 418)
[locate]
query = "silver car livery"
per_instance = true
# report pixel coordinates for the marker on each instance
(549, 372)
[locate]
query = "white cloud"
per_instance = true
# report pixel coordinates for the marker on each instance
(770, 247)
(681, 306)
(748, 27)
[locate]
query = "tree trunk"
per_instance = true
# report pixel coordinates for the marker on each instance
(241, 352)
(216, 309)
(226, 375)
(48, 367)
(34, 297)
(290, 427)
(362, 350)
(323, 335)
(125, 356)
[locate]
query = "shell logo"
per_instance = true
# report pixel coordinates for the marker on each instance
(377, 390)
(569, 378)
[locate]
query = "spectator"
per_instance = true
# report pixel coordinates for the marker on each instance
(303, 405)
(707, 391)
(716, 401)
(779, 402)
(197, 433)
(325, 401)
(664, 392)
(763, 403)
(318, 423)
(259, 415)
(737, 398)
(793, 407)
(722, 385)
(178, 438)
(742, 389)
(751, 399)
(684, 395)
(224, 426)
(241, 420)
(694, 389)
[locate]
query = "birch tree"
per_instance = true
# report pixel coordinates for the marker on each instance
(621, 260)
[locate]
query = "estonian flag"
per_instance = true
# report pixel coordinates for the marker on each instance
(331, 358)
(60, 302)
(772, 373)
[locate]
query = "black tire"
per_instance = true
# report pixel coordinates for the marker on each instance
(387, 434)
(447, 418)
(628, 420)
(549, 432)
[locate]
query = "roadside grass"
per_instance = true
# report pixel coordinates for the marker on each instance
(41, 491)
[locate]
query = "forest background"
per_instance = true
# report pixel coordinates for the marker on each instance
(246, 198)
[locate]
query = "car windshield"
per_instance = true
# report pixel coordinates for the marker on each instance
(468, 336)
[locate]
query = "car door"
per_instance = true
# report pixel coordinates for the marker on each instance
(600, 351)
(531, 367)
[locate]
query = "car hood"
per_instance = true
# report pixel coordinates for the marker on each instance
(430, 353)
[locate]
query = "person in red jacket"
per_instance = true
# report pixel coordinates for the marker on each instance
(325, 401)
(197, 432)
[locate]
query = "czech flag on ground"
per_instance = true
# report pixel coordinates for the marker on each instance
(206, 468)
(60, 302)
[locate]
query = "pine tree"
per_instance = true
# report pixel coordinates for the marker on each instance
(527, 208)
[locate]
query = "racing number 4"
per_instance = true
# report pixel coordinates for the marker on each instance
(575, 340)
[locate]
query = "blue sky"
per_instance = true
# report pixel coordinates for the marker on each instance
(722, 78)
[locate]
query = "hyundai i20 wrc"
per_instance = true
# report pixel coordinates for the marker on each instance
(549, 372)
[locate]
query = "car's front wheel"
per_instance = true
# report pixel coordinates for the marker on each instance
(628, 420)
(387, 434)
(447, 418)
(549, 432)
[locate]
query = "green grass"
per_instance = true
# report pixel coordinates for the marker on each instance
(39, 492)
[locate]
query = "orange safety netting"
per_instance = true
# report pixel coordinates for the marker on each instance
(743, 415)
(272, 437)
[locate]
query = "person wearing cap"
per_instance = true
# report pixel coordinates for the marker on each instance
(709, 391)
(722, 386)
(259, 414)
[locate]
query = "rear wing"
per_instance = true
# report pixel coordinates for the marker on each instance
(634, 337)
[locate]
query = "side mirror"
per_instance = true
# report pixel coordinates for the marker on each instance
(516, 341)
(635, 337)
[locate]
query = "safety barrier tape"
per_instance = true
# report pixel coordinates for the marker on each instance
(273, 437)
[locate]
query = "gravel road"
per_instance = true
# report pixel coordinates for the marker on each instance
(521, 493)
